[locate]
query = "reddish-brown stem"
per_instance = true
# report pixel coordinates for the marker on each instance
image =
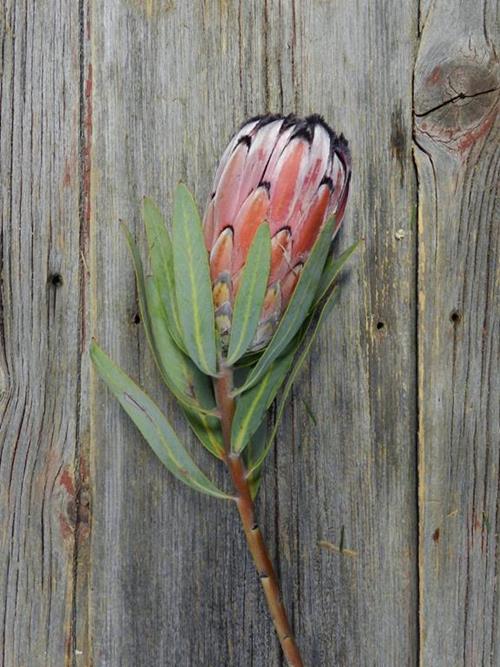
(255, 541)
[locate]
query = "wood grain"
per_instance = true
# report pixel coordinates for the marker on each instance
(347, 475)
(170, 94)
(380, 502)
(40, 391)
(457, 157)
(167, 94)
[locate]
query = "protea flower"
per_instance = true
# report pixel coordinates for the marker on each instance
(293, 173)
(257, 278)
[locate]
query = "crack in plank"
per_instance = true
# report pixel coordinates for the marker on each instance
(452, 100)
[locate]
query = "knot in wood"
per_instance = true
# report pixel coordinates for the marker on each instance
(455, 101)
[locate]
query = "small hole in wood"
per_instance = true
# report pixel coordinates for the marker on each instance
(55, 279)
(380, 326)
(455, 316)
(136, 318)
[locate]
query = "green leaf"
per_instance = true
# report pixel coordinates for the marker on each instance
(249, 359)
(330, 272)
(169, 359)
(298, 306)
(141, 290)
(207, 428)
(185, 378)
(175, 365)
(208, 431)
(193, 286)
(308, 335)
(251, 293)
(162, 265)
(253, 404)
(152, 424)
(252, 453)
(178, 371)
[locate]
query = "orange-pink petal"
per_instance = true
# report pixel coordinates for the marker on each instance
(227, 195)
(308, 229)
(250, 216)
(286, 182)
(288, 285)
(281, 246)
(208, 225)
(283, 139)
(247, 129)
(222, 254)
(260, 151)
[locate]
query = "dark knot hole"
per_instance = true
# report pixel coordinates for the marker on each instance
(55, 279)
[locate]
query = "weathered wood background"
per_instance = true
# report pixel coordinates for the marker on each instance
(390, 447)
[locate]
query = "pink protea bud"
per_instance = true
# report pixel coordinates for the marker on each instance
(293, 173)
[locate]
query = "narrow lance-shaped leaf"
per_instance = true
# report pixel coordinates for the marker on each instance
(193, 287)
(160, 252)
(171, 358)
(178, 371)
(171, 379)
(297, 308)
(251, 293)
(333, 265)
(327, 294)
(252, 406)
(208, 431)
(207, 428)
(251, 454)
(182, 376)
(152, 424)
(141, 290)
(309, 336)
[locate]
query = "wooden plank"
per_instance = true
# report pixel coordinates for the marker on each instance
(171, 581)
(39, 329)
(170, 571)
(347, 476)
(101, 103)
(457, 156)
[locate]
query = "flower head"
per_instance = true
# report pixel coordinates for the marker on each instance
(293, 173)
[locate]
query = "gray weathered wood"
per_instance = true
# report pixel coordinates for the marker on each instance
(173, 563)
(382, 561)
(40, 184)
(153, 91)
(457, 156)
(351, 476)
